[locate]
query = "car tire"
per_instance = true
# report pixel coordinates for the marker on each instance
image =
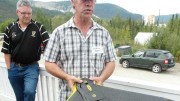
(156, 68)
(125, 64)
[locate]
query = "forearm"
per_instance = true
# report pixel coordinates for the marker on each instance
(53, 69)
(7, 58)
(108, 70)
(56, 71)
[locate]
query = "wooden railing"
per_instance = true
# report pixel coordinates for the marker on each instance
(48, 88)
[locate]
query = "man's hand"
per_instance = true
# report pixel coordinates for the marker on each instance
(97, 80)
(72, 80)
(106, 73)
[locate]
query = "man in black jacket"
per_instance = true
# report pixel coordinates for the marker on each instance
(22, 50)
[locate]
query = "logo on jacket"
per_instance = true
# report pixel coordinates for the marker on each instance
(13, 34)
(33, 33)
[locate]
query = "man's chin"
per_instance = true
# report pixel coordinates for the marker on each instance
(87, 16)
(26, 22)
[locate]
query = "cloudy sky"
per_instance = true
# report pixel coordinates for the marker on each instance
(143, 7)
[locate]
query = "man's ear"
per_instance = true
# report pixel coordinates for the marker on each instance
(17, 12)
(73, 2)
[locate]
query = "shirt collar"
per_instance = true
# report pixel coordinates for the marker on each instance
(20, 26)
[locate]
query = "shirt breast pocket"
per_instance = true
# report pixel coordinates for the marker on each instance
(98, 57)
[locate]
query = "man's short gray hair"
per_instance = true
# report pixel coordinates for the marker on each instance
(21, 3)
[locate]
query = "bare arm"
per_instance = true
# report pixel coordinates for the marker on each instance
(56, 71)
(108, 70)
(106, 73)
(7, 58)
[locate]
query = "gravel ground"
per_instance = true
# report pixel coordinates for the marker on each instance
(169, 77)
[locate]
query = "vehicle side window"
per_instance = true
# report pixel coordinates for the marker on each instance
(138, 54)
(149, 54)
(157, 54)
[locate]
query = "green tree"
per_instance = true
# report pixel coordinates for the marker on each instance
(44, 19)
(60, 19)
(4, 24)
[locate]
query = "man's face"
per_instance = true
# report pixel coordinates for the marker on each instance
(24, 14)
(84, 8)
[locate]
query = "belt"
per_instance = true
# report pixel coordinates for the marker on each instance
(22, 64)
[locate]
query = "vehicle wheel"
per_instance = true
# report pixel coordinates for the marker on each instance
(156, 68)
(125, 64)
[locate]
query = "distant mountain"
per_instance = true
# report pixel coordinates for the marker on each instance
(164, 18)
(100, 9)
(103, 10)
(62, 6)
(106, 10)
(8, 10)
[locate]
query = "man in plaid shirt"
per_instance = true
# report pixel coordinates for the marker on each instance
(80, 48)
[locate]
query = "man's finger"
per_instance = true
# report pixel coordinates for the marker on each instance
(93, 78)
(79, 80)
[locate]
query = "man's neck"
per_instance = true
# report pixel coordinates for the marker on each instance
(83, 24)
(23, 25)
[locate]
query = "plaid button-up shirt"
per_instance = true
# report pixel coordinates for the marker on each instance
(77, 55)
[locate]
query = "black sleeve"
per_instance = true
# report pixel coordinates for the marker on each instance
(6, 43)
(44, 35)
